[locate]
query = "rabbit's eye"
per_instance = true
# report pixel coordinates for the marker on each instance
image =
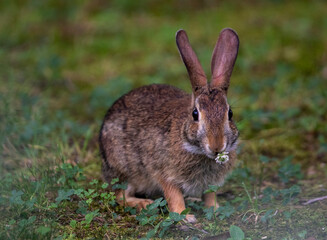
(230, 114)
(195, 114)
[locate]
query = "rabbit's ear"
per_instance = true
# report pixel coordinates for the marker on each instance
(223, 58)
(194, 68)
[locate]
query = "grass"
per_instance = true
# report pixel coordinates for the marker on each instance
(62, 64)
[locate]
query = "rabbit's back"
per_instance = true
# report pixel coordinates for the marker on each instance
(147, 107)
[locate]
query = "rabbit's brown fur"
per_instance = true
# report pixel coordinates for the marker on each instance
(150, 139)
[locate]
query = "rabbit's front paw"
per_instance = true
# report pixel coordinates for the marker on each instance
(190, 218)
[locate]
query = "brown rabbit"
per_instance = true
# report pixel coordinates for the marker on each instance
(162, 140)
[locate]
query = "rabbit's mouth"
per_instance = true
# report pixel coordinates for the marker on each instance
(210, 155)
(215, 155)
(220, 157)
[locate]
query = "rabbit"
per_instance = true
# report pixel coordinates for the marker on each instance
(162, 140)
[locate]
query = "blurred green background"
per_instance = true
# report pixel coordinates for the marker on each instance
(63, 63)
(76, 57)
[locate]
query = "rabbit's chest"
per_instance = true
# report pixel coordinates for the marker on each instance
(203, 175)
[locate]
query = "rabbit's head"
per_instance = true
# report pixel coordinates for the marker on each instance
(209, 128)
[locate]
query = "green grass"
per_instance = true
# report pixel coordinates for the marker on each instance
(63, 63)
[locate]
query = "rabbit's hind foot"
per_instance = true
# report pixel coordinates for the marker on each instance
(126, 198)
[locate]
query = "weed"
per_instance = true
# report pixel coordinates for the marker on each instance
(150, 216)
(254, 210)
(287, 170)
(236, 233)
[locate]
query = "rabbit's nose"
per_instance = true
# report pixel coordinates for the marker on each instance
(216, 142)
(218, 148)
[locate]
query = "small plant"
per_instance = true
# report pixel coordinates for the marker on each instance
(89, 217)
(287, 170)
(222, 157)
(160, 224)
(69, 175)
(236, 233)
(268, 216)
(255, 211)
(64, 195)
(288, 194)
